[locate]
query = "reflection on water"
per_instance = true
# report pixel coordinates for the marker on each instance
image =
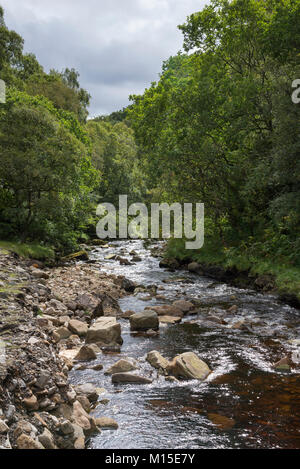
(245, 403)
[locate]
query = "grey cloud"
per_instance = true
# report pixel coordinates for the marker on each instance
(117, 46)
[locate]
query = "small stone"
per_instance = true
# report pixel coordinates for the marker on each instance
(33, 341)
(98, 367)
(37, 273)
(31, 403)
(104, 401)
(3, 427)
(66, 427)
(43, 380)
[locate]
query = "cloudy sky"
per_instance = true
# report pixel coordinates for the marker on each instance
(117, 45)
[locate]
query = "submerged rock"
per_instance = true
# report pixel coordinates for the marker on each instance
(222, 422)
(169, 320)
(167, 310)
(283, 365)
(184, 306)
(127, 378)
(106, 422)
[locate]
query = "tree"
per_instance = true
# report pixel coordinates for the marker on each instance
(46, 174)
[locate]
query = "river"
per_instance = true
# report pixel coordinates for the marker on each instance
(245, 402)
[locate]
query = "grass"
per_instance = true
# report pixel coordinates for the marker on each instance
(285, 275)
(31, 250)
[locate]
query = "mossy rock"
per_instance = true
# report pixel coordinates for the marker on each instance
(77, 256)
(99, 242)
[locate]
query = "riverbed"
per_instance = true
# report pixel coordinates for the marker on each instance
(244, 403)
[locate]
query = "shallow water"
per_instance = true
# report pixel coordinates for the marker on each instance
(244, 403)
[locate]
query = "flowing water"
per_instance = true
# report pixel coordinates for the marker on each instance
(245, 402)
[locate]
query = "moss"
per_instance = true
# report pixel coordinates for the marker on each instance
(77, 256)
(32, 250)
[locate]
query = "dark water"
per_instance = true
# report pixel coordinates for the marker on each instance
(245, 403)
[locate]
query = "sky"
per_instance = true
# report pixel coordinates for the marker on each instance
(117, 46)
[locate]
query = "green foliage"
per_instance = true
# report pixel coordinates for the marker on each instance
(46, 172)
(32, 250)
(114, 154)
(220, 127)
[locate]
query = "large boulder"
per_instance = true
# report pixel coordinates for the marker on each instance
(122, 366)
(172, 264)
(188, 366)
(194, 267)
(78, 327)
(144, 321)
(157, 360)
(105, 331)
(128, 378)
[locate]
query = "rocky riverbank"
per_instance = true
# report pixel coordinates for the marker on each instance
(54, 319)
(232, 276)
(68, 318)
(44, 313)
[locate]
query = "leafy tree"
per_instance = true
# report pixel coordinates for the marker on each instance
(46, 174)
